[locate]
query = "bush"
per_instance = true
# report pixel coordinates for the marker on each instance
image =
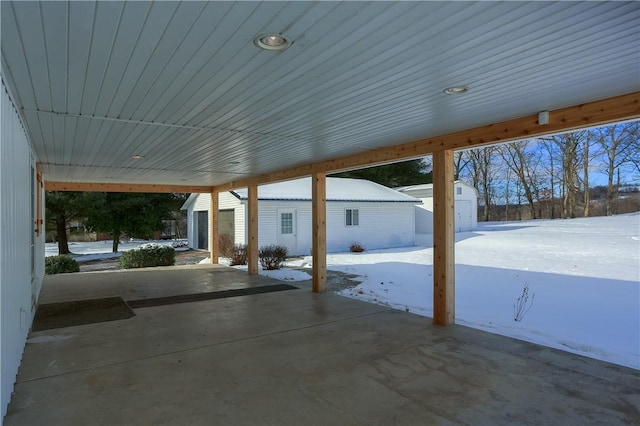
(356, 247)
(61, 264)
(272, 256)
(227, 248)
(147, 255)
(238, 255)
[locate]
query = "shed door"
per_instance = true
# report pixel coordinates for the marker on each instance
(226, 223)
(202, 220)
(287, 229)
(463, 215)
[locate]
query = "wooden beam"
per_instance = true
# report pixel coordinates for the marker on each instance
(214, 238)
(319, 224)
(123, 187)
(443, 239)
(252, 220)
(619, 108)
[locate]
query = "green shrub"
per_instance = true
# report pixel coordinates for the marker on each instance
(239, 255)
(272, 256)
(147, 255)
(60, 264)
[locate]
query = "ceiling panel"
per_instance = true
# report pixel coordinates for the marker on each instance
(183, 85)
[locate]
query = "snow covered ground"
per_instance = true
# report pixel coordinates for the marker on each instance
(583, 275)
(98, 250)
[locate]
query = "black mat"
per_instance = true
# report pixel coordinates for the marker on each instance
(196, 297)
(68, 314)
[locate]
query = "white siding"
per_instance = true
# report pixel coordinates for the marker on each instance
(19, 285)
(381, 225)
(466, 202)
(227, 201)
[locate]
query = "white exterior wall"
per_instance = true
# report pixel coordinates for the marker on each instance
(227, 201)
(466, 208)
(381, 225)
(19, 283)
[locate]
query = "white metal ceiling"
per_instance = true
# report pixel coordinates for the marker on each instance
(182, 83)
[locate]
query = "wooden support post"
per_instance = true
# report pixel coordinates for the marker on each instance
(443, 239)
(214, 237)
(252, 221)
(319, 219)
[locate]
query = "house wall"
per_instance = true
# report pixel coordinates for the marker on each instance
(381, 225)
(227, 201)
(21, 251)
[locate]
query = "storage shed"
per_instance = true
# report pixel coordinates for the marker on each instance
(357, 211)
(466, 208)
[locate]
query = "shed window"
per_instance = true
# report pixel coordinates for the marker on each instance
(286, 223)
(459, 191)
(351, 217)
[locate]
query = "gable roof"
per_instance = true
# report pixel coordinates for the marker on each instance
(338, 189)
(425, 190)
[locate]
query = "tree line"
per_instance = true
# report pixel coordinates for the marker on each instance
(549, 177)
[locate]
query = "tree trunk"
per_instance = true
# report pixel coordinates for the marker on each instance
(61, 234)
(586, 177)
(116, 240)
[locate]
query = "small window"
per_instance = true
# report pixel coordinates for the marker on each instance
(459, 191)
(286, 223)
(351, 217)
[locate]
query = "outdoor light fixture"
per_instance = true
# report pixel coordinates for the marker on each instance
(137, 157)
(272, 42)
(455, 90)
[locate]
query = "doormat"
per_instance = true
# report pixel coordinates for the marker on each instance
(197, 297)
(68, 314)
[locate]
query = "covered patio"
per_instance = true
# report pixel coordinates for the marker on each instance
(205, 97)
(293, 357)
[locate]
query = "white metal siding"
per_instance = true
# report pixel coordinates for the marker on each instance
(381, 225)
(226, 201)
(19, 288)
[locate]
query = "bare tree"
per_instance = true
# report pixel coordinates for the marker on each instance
(482, 169)
(617, 143)
(548, 150)
(460, 162)
(523, 164)
(569, 144)
(586, 161)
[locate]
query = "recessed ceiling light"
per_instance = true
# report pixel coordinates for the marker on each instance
(137, 157)
(456, 90)
(272, 42)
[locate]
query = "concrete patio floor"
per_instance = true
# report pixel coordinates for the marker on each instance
(294, 358)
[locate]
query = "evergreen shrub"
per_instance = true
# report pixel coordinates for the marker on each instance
(60, 264)
(148, 255)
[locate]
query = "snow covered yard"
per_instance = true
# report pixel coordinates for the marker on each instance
(583, 274)
(100, 250)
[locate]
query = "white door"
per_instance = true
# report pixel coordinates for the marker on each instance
(463, 215)
(287, 229)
